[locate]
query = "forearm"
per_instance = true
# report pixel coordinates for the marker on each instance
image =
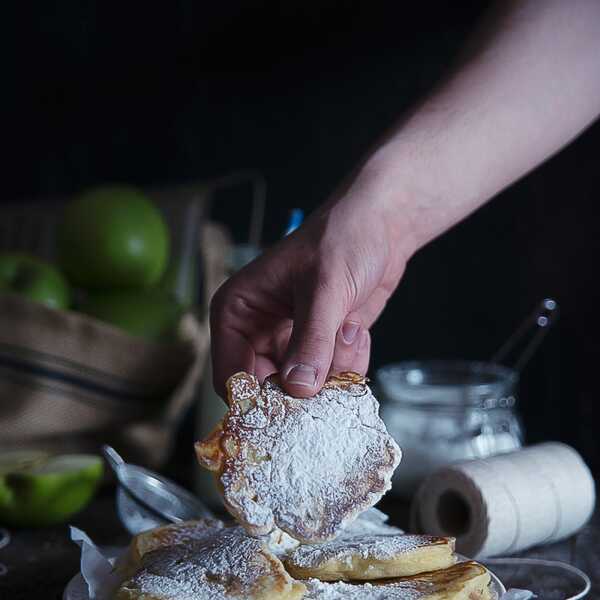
(531, 85)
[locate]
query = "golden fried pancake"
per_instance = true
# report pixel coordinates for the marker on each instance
(462, 581)
(370, 521)
(223, 566)
(160, 537)
(306, 465)
(170, 535)
(363, 557)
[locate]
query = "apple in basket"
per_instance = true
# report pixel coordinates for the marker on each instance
(114, 243)
(113, 237)
(33, 278)
(151, 314)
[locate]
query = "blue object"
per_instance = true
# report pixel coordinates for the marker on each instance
(296, 218)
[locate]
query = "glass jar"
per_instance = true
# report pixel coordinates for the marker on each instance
(441, 412)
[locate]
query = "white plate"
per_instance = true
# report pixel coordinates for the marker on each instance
(77, 588)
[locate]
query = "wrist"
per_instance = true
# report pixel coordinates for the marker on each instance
(390, 197)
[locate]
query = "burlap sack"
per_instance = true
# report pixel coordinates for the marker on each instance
(69, 382)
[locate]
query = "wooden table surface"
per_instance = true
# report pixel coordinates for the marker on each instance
(39, 563)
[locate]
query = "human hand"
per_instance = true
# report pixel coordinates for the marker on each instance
(304, 308)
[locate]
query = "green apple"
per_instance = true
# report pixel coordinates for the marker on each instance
(34, 279)
(113, 237)
(45, 491)
(151, 314)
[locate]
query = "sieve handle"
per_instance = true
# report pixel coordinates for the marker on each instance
(523, 343)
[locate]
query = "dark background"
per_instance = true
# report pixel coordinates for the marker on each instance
(169, 92)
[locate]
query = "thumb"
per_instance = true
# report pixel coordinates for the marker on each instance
(318, 315)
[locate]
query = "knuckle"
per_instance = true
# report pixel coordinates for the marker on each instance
(228, 303)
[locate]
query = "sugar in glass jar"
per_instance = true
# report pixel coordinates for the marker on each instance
(441, 412)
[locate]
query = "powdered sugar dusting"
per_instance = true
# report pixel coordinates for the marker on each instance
(369, 546)
(318, 590)
(464, 579)
(372, 521)
(280, 543)
(308, 466)
(243, 386)
(177, 533)
(228, 564)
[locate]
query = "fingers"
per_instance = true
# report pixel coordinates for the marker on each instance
(263, 367)
(363, 353)
(230, 353)
(230, 350)
(352, 351)
(307, 362)
(346, 344)
(369, 312)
